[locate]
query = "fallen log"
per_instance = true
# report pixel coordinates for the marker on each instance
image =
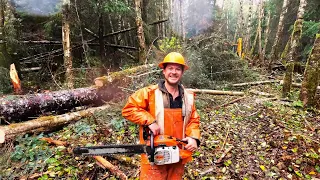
(121, 75)
(19, 108)
(255, 83)
(216, 92)
(297, 85)
(14, 129)
(113, 169)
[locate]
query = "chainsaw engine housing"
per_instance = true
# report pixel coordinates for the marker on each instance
(166, 155)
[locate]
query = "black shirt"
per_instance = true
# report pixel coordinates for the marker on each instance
(174, 103)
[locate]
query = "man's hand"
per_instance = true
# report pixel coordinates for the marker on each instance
(192, 144)
(154, 127)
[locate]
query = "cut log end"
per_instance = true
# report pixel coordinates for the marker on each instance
(2, 136)
(98, 82)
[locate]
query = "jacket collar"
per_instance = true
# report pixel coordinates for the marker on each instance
(163, 88)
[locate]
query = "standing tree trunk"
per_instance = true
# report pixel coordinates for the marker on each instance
(275, 46)
(182, 21)
(248, 35)
(266, 38)
(239, 23)
(101, 39)
(140, 32)
(261, 15)
(4, 57)
(311, 75)
(66, 43)
(257, 33)
(295, 42)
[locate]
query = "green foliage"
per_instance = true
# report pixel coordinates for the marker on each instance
(212, 64)
(170, 44)
(118, 123)
(30, 149)
(310, 29)
(297, 104)
(5, 84)
(267, 104)
(82, 128)
(116, 6)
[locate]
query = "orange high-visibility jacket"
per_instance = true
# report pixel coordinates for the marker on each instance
(146, 106)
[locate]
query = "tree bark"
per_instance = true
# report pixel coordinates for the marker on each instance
(248, 35)
(258, 33)
(101, 39)
(274, 50)
(261, 15)
(311, 76)
(30, 106)
(22, 107)
(4, 57)
(12, 130)
(140, 32)
(266, 37)
(295, 42)
(66, 43)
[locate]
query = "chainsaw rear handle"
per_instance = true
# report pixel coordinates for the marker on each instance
(146, 134)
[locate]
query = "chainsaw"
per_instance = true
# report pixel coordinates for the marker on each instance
(161, 149)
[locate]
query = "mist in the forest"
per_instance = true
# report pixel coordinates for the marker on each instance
(37, 7)
(195, 16)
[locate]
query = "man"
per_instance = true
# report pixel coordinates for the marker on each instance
(166, 108)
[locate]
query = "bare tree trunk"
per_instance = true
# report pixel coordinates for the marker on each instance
(295, 42)
(112, 28)
(140, 32)
(182, 21)
(241, 19)
(84, 43)
(266, 38)
(101, 39)
(248, 35)
(274, 49)
(261, 15)
(4, 56)
(258, 33)
(66, 43)
(311, 76)
(163, 15)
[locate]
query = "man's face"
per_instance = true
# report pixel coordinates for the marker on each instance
(173, 73)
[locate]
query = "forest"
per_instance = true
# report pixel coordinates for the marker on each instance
(68, 67)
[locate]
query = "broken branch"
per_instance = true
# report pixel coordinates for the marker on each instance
(113, 169)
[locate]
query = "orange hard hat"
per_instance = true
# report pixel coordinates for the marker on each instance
(173, 57)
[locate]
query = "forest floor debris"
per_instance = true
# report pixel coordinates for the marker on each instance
(254, 137)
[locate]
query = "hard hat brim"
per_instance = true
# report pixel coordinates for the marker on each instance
(161, 65)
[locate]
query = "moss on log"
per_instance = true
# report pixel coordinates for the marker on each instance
(121, 75)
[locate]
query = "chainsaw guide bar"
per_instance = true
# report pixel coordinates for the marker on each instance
(111, 149)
